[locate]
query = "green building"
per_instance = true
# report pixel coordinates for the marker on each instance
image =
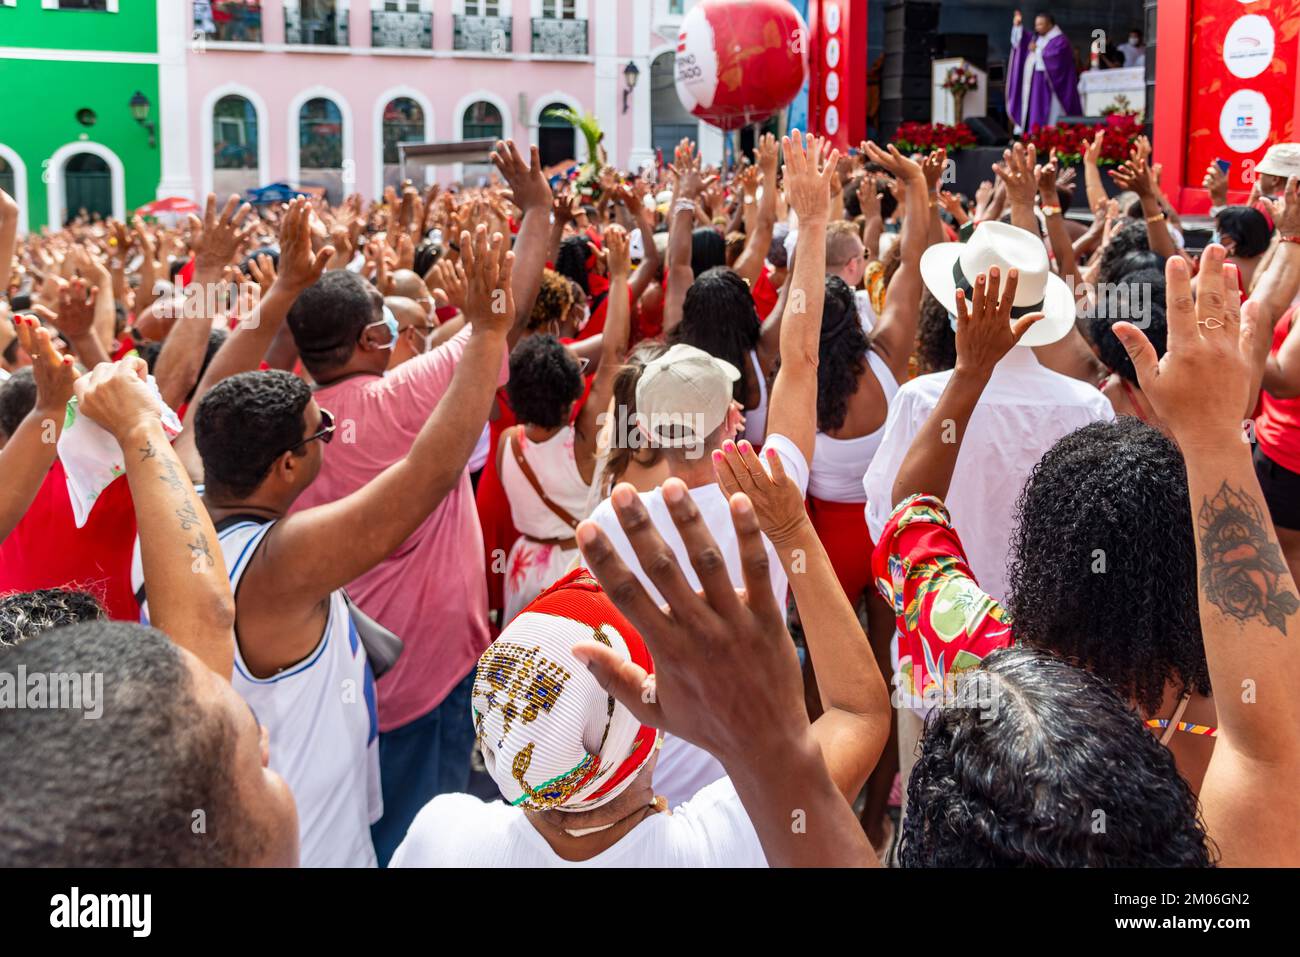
(79, 118)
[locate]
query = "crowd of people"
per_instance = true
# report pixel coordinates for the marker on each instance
(802, 513)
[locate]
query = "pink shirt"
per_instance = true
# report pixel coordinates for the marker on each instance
(431, 592)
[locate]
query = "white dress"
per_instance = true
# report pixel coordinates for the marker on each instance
(532, 566)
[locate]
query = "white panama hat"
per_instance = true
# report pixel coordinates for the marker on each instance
(947, 267)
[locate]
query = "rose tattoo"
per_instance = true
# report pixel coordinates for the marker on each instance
(1244, 572)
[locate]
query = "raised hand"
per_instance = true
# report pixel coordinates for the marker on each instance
(217, 238)
(617, 254)
(1286, 209)
(1134, 174)
(299, 267)
(489, 301)
(447, 284)
(808, 176)
(776, 499)
(869, 197)
(1216, 184)
(726, 676)
(1092, 153)
(528, 183)
(902, 167)
(1016, 171)
(769, 155)
(262, 271)
(76, 312)
(932, 167)
(55, 374)
(1209, 353)
(686, 168)
(985, 330)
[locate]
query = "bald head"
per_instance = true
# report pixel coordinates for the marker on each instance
(409, 285)
(407, 311)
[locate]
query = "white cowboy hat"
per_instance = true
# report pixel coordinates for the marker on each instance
(1282, 159)
(947, 267)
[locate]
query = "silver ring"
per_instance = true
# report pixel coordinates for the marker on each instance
(1212, 323)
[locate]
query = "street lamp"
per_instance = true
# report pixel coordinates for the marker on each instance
(140, 112)
(631, 73)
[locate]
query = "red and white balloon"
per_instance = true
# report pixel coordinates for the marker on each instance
(741, 61)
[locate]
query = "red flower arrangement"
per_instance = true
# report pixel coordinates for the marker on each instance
(1071, 139)
(913, 137)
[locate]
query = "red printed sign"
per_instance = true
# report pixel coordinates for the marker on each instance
(1242, 84)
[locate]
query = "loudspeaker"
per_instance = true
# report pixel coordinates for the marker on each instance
(988, 131)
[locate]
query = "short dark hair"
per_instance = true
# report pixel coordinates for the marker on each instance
(328, 318)
(120, 790)
(718, 316)
(26, 614)
(1017, 774)
(544, 382)
(1248, 227)
(1112, 493)
(1130, 303)
(17, 398)
(571, 261)
(244, 424)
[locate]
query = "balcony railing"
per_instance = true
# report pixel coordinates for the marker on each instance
(402, 31)
(229, 21)
(483, 34)
(329, 31)
(557, 37)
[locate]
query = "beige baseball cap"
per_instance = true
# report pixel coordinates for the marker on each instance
(683, 396)
(1282, 159)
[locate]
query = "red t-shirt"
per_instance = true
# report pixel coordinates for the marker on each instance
(1278, 425)
(47, 550)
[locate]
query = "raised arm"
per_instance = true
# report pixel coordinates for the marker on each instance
(8, 238)
(532, 194)
(184, 570)
(1096, 189)
(895, 334)
(1136, 175)
(29, 453)
(793, 408)
(735, 654)
(1016, 171)
(985, 333)
(1062, 248)
(613, 347)
(856, 710)
(688, 183)
(217, 239)
(639, 203)
(377, 518)
(1250, 615)
(749, 265)
(1275, 292)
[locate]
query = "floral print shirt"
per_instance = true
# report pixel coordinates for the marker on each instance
(946, 623)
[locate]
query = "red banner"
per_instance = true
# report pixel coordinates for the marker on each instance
(837, 63)
(1241, 84)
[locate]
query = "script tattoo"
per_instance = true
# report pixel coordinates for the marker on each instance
(1244, 573)
(172, 478)
(189, 518)
(148, 451)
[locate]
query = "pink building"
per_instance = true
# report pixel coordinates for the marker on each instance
(321, 91)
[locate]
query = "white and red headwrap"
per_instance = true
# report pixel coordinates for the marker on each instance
(551, 737)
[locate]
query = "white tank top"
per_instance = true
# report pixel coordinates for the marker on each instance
(556, 468)
(838, 465)
(756, 418)
(324, 729)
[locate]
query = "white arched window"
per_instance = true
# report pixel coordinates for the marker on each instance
(236, 145)
(404, 117)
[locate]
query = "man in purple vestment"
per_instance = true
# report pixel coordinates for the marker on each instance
(1042, 81)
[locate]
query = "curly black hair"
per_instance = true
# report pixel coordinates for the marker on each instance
(1130, 237)
(1041, 764)
(718, 316)
(25, 615)
(1103, 561)
(244, 424)
(571, 261)
(936, 342)
(1138, 297)
(544, 382)
(842, 354)
(1247, 227)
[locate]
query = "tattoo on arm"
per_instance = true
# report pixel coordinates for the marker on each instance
(172, 479)
(200, 551)
(1243, 573)
(148, 451)
(189, 518)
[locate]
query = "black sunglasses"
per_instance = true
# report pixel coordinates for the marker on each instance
(326, 433)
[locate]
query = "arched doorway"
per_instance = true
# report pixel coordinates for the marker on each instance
(669, 120)
(402, 122)
(557, 140)
(320, 145)
(87, 185)
(481, 121)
